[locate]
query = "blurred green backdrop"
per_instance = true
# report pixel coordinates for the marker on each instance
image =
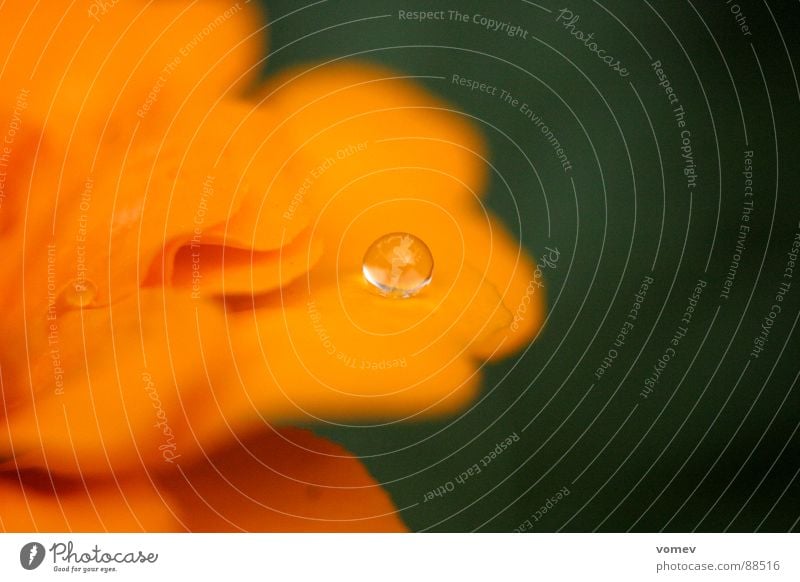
(714, 446)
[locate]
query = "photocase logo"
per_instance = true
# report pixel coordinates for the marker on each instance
(31, 555)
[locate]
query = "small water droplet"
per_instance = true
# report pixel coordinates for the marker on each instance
(398, 264)
(79, 293)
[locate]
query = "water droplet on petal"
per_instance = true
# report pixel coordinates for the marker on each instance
(79, 293)
(398, 264)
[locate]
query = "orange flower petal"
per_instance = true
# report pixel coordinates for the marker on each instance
(34, 501)
(346, 353)
(282, 481)
(115, 387)
(218, 269)
(383, 156)
(161, 188)
(135, 54)
(351, 121)
(505, 264)
(287, 481)
(128, 166)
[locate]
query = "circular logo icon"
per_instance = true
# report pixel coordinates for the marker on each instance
(31, 555)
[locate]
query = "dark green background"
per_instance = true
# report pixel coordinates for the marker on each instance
(720, 430)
